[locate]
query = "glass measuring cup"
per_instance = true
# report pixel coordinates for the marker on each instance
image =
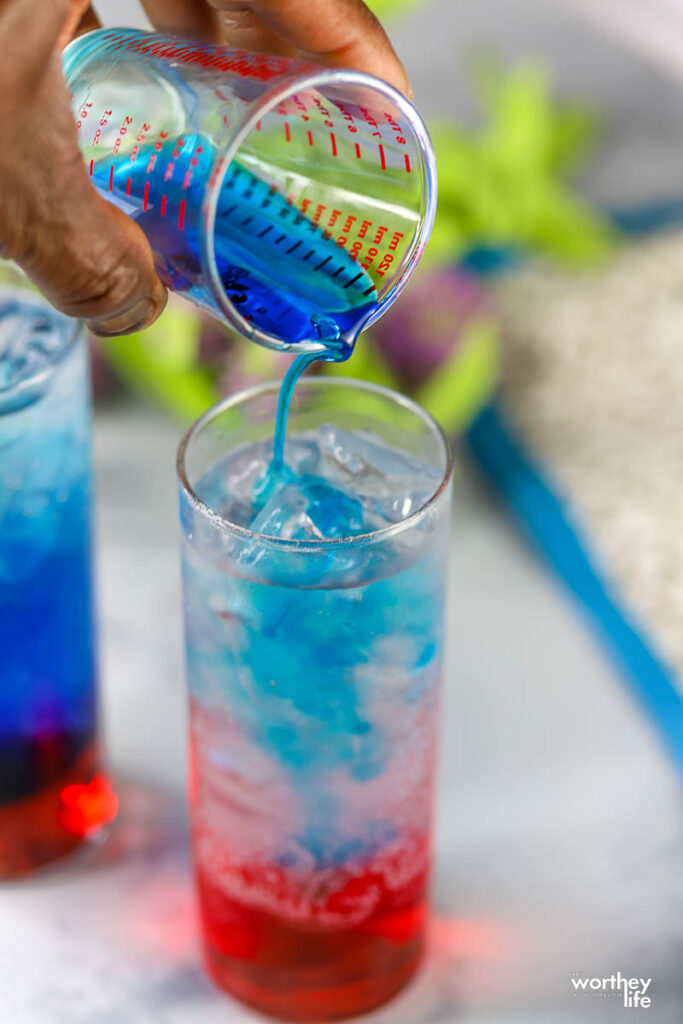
(291, 200)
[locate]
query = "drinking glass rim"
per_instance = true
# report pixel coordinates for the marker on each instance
(374, 536)
(55, 359)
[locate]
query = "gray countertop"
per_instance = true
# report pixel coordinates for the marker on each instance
(559, 832)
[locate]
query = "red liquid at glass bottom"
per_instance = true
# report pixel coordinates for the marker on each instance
(302, 972)
(52, 819)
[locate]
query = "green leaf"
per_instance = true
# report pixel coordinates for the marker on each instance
(161, 363)
(576, 130)
(385, 8)
(519, 128)
(460, 388)
(503, 184)
(568, 229)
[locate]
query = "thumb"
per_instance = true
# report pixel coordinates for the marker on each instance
(90, 260)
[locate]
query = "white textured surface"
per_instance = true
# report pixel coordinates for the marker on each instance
(559, 833)
(594, 385)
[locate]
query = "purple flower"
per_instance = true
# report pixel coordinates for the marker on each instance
(426, 323)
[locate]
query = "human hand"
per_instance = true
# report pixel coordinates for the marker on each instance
(89, 258)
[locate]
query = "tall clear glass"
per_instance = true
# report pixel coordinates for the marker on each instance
(314, 672)
(52, 795)
(271, 190)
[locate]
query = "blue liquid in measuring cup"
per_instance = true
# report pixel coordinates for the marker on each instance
(278, 268)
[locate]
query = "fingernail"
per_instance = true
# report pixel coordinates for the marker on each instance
(139, 316)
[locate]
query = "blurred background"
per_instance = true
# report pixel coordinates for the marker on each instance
(544, 331)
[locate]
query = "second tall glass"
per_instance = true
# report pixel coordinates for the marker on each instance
(52, 795)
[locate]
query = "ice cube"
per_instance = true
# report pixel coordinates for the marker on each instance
(228, 486)
(334, 513)
(31, 335)
(388, 482)
(309, 508)
(364, 456)
(285, 515)
(245, 470)
(241, 485)
(302, 455)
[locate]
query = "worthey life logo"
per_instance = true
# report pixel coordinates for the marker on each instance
(635, 992)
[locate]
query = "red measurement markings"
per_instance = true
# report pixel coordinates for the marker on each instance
(368, 118)
(111, 178)
(358, 150)
(163, 206)
(382, 157)
(159, 144)
(301, 106)
(328, 122)
(288, 132)
(396, 128)
(92, 164)
(83, 114)
(333, 140)
(123, 131)
(128, 184)
(262, 68)
(347, 117)
(145, 196)
(309, 135)
(181, 214)
(104, 121)
(407, 160)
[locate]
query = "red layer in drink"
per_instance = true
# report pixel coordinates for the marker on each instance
(52, 818)
(299, 969)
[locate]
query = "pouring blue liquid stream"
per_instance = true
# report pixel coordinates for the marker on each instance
(337, 349)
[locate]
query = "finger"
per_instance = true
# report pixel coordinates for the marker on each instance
(88, 23)
(196, 19)
(101, 270)
(79, 18)
(244, 29)
(339, 33)
(193, 19)
(92, 262)
(88, 257)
